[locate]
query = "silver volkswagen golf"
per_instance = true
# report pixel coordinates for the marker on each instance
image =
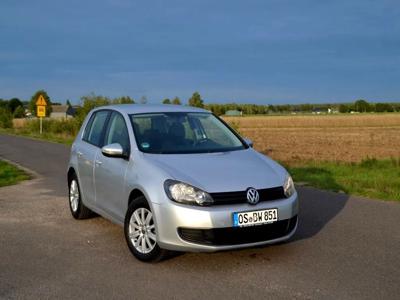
(178, 179)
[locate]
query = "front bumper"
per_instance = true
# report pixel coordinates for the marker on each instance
(212, 228)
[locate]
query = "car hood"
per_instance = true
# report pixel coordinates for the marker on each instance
(222, 172)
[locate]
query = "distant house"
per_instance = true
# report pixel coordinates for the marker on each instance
(233, 113)
(317, 111)
(62, 112)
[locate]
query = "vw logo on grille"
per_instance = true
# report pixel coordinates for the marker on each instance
(252, 196)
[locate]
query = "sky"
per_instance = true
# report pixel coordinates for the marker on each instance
(264, 52)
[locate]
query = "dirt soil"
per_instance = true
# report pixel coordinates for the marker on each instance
(314, 137)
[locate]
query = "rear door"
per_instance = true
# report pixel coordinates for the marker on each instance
(110, 171)
(87, 150)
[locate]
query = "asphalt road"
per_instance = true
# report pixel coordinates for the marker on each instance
(345, 247)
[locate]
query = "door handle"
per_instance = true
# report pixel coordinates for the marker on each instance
(98, 162)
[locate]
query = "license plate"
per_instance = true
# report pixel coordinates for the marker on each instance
(255, 217)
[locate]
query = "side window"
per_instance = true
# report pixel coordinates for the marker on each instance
(117, 132)
(87, 128)
(95, 127)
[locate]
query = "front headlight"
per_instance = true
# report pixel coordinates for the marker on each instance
(288, 186)
(185, 193)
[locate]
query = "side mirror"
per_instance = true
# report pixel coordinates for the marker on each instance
(113, 150)
(249, 142)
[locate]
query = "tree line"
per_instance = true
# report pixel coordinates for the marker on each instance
(15, 108)
(359, 106)
(255, 109)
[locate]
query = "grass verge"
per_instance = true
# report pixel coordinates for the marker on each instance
(10, 174)
(371, 178)
(51, 137)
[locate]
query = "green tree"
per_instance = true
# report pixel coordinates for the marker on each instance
(344, 108)
(3, 103)
(271, 108)
(5, 118)
(123, 100)
(166, 101)
(19, 112)
(176, 101)
(35, 97)
(306, 107)
(362, 106)
(217, 109)
(196, 100)
(89, 102)
(383, 107)
(92, 100)
(13, 104)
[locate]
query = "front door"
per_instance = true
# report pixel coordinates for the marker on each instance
(110, 172)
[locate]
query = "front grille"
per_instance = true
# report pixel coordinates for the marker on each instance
(238, 235)
(269, 194)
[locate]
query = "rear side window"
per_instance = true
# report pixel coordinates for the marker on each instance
(95, 127)
(117, 132)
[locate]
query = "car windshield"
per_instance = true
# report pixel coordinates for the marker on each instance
(183, 132)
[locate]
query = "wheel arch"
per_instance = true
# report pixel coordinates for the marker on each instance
(70, 174)
(134, 194)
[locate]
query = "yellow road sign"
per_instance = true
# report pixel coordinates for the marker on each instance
(41, 111)
(40, 101)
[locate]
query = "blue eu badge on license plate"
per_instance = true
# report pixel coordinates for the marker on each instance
(235, 219)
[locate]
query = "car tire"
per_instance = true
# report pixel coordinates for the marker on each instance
(140, 234)
(78, 209)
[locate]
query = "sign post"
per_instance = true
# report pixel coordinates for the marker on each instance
(41, 110)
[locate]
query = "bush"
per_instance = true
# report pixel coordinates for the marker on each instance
(62, 127)
(5, 118)
(19, 112)
(66, 126)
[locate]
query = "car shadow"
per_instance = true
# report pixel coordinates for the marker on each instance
(316, 209)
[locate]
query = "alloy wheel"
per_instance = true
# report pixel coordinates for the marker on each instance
(142, 230)
(74, 195)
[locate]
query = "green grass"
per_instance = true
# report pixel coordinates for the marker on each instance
(10, 174)
(51, 137)
(372, 178)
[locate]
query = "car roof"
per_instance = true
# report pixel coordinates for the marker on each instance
(152, 108)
